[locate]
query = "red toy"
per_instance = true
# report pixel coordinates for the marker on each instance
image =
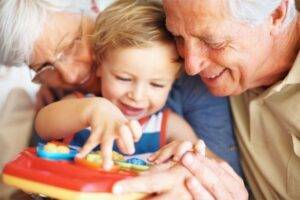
(63, 179)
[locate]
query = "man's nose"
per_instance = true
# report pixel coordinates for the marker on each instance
(195, 58)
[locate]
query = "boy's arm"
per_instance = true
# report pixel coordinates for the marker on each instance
(107, 123)
(179, 129)
(59, 119)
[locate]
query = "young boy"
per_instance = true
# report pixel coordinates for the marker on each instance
(137, 64)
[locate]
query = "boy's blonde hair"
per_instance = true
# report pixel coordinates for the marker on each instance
(130, 23)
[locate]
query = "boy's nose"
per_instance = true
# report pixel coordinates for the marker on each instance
(137, 93)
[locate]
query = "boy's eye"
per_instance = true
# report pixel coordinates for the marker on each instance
(123, 78)
(157, 85)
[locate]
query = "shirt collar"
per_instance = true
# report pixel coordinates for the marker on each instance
(293, 76)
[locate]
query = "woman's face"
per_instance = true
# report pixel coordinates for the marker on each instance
(62, 55)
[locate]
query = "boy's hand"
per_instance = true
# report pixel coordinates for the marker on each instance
(176, 149)
(128, 134)
(107, 124)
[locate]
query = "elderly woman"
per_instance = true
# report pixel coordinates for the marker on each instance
(53, 42)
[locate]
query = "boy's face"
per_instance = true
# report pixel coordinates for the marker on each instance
(138, 80)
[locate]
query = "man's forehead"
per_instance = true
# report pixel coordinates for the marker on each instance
(199, 16)
(215, 9)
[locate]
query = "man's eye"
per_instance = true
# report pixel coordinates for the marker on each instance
(123, 78)
(179, 40)
(217, 46)
(157, 85)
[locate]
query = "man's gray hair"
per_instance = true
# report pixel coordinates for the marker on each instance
(256, 11)
(21, 22)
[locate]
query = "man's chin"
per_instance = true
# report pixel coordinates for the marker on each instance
(221, 92)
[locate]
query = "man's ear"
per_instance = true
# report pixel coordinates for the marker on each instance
(99, 70)
(278, 16)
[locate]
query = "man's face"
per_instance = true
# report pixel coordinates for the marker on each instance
(62, 55)
(227, 54)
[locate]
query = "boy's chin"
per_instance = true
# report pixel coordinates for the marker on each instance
(138, 117)
(130, 117)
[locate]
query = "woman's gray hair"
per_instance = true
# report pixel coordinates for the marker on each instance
(21, 22)
(256, 11)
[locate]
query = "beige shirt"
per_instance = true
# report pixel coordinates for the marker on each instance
(267, 126)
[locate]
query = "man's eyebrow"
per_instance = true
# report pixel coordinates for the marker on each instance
(211, 38)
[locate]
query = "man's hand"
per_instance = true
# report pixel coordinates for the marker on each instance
(212, 180)
(165, 182)
(204, 178)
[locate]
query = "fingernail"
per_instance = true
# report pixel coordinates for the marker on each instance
(107, 166)
(131, 151)
(79, 155)
(193, 181)
(157, 161)
(150, 158)
(187, 159)
(117, 189)
(176, 158)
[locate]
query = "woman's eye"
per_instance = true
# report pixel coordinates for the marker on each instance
(44, 66)
(123, 78)
(157, 85)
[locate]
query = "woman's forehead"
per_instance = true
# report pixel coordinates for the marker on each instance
(59, 30)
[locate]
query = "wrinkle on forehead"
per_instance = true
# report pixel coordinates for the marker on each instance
(191, 13)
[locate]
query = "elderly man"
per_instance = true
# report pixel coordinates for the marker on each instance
(250, 51)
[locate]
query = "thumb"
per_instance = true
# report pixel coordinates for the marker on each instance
(149, 183)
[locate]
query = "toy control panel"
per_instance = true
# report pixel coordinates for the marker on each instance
(53, 170)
